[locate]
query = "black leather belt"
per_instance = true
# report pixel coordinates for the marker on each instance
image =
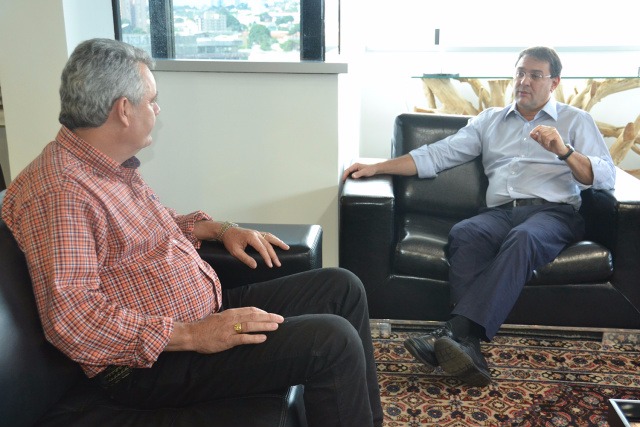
(534, 201)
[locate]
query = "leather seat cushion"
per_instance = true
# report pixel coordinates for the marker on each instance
(582, 262)
(420, 252)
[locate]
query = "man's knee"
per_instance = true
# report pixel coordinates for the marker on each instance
(520, 238)
(336, 337)
(344, 280)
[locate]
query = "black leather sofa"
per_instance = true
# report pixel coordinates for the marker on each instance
(393, 232)
(41, 387)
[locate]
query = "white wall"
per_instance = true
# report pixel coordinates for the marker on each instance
(35, 41)
(249, 147)
(29, 85)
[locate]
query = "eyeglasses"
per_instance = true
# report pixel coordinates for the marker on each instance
(535, 76)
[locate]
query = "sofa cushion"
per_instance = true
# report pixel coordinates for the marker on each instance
(433, 196)
(582, 262)
(421, 252)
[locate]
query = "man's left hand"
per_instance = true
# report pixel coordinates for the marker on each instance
(236, 240)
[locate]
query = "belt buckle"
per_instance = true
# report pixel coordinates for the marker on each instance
(515, 202)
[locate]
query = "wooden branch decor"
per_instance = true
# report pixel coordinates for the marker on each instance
(495, 94)
(628, 138)
(596, 91)
(452, 102)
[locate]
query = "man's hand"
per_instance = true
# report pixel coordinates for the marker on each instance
(403, 165)
(580, 165)
(237, 239)
(359, 170)
(549, 139)
(220, 331)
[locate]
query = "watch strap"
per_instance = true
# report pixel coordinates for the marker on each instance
(570, 152)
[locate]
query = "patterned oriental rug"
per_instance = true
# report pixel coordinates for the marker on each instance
(539, 379)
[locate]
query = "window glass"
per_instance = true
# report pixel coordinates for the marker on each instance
(254, 30)
(134, 23)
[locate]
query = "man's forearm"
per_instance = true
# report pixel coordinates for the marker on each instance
(403, 165)
(581, 168)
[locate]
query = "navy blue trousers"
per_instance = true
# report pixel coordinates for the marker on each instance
(493, 254)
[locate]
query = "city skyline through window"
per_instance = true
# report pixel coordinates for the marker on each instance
(254, 30)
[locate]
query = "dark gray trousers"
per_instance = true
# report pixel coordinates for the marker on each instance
(324, 343)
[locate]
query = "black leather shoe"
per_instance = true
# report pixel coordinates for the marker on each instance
(422, 348)
(462, 359)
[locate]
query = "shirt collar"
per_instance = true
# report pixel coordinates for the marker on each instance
(550, 108)
(92, 156)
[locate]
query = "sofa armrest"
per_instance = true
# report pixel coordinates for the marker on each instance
(626, 249)
(305, 253)
(612, 218)
(367, 228)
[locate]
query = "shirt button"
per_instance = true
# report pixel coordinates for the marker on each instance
(174, 241)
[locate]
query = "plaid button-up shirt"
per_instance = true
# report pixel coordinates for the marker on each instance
(112, 268)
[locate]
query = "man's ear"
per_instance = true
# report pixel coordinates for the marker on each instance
(121, 110)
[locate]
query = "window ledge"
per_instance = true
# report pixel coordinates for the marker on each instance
(309, 67)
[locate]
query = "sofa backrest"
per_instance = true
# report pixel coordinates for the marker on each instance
(457, 192)
(33, 374)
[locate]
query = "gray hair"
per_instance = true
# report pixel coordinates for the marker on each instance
(98, 72)
(546, 54)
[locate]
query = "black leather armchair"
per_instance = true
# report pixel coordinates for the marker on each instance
(41, 387)
(393, 232)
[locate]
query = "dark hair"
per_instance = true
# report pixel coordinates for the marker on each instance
(98, 72)
(547, 54)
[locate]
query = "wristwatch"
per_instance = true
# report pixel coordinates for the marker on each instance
(570, 152)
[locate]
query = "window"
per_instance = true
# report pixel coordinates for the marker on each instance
(248, 30)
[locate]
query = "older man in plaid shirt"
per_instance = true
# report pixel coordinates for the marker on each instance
(121, 289)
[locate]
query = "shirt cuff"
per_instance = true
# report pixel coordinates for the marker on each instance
(187, 223)
(154, 338)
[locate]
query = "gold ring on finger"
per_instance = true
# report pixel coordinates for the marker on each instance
(238, 328)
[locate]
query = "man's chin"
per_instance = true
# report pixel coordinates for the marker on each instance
(523, 101)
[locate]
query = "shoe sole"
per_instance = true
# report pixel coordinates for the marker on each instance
(417, 354)
(459, 364)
